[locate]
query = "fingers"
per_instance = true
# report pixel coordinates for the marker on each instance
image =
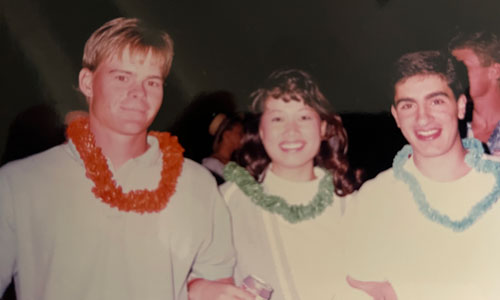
(234, 292)
(216, 290)
(378, 290)
(240, 293)
(358, 284)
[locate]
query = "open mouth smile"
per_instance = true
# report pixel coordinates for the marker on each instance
(427, 135)
(292, 146)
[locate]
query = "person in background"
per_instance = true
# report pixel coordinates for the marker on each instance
(480, 52)
(191, 125)
(287, 191)
(227, 133)
(116, 213)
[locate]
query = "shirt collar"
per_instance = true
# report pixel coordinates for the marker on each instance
(148, 158)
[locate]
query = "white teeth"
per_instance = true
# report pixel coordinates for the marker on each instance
(289, 146)
(427, 132)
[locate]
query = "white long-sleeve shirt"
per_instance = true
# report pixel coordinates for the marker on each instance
(60, 242)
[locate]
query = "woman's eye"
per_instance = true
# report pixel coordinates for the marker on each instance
(276, 119)
(306, 117)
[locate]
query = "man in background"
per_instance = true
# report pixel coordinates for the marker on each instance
(480, 52)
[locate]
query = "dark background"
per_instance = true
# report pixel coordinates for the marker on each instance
(228, 45)
(232, 45)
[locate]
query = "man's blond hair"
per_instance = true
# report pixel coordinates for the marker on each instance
(115, 36)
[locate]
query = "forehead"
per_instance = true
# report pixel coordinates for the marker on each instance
(421, 86)
(285, 104)
(467, 56)
(145, 58)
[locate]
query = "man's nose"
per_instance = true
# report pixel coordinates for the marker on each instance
(138, 90)
(423, 115)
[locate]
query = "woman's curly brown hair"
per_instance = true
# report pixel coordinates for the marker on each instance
(297, 85)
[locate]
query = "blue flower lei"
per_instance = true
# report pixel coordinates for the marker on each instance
(473, 160)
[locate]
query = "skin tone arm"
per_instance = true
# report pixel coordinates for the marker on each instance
(222, 289)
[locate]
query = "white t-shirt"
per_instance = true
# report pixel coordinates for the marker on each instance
(300, 261)
(391, 239)
(61, 242)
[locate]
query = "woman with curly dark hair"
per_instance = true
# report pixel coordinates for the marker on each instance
(281, 195)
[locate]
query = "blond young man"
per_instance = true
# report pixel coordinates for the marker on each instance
(113, 213)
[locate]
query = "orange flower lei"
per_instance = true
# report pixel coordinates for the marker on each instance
(97, 170)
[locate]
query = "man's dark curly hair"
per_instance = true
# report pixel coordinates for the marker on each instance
(429, 63)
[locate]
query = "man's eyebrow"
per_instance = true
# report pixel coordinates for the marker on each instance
(436, 94)
(402, 100)
(428, 96)
(119, 71)
(156, 77)
(159, 77)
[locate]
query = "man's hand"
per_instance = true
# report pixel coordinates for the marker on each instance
(223, 289)
(377, 290)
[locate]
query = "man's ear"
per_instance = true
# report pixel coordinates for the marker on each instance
(462, 106)
(85, 82)
(395, 114)
(494, 71)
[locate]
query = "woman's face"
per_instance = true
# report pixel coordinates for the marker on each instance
(291, 133)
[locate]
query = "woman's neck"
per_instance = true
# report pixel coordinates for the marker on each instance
(295, 173)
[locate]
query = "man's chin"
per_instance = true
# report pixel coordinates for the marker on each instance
(428, 152)
(134, 128)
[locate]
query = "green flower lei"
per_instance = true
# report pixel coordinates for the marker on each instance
(474, 160)
(275, 204)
